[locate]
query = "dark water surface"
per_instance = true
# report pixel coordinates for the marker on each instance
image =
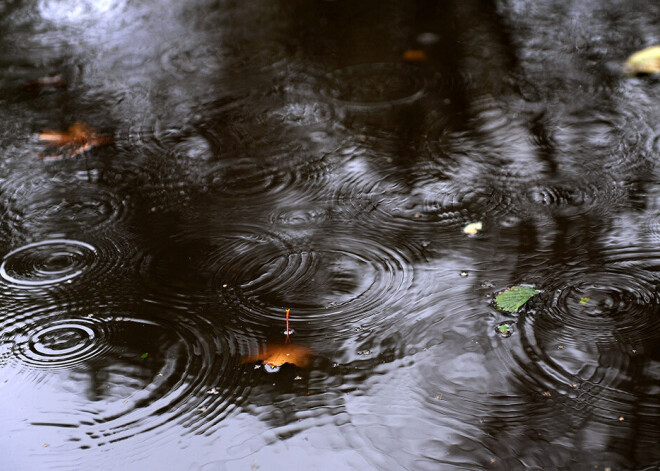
(282, 154)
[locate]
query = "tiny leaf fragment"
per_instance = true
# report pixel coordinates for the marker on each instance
(514, 298)
(504, 329)
(584, 301)
(414, 55)
(144, 355)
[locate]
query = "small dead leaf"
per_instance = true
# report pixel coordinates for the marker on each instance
(646, 61)
(53, 81)
(279, 355)
(414, 55)
(76, 140)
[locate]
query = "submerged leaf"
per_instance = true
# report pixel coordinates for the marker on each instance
(646, 61)
(144, 355)
(414, 55)
(584, 301)
(279, 355)
(513, 298)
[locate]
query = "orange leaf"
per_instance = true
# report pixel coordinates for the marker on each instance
(279, 355)
(76, 140)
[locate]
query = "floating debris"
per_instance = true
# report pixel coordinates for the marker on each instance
(279, 355)
(414, 55)
(514, 298)
(77, 139)
(646, 61)
(504, 329)
(473, 228)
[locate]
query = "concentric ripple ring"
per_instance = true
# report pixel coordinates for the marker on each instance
(46, 262)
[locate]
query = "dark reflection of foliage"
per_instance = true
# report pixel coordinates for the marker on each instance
(478, 55)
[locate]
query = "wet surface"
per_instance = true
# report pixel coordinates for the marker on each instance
(272, 155)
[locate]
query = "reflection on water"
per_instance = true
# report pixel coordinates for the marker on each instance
(274, 155)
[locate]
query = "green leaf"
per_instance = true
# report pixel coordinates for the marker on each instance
(503, 328)
(513, 298)
(584, 301)
(144, 355)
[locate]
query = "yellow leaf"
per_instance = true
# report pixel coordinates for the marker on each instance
(646, 61)
(473, 228)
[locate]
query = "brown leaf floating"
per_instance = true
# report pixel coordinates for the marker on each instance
(76, 140)
(279, 355)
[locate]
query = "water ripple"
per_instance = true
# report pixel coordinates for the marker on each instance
(330, 286)
(59, 341)
(156, 372)
(47, 263)
(62, 203)
(376, 85)
(581, 340)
